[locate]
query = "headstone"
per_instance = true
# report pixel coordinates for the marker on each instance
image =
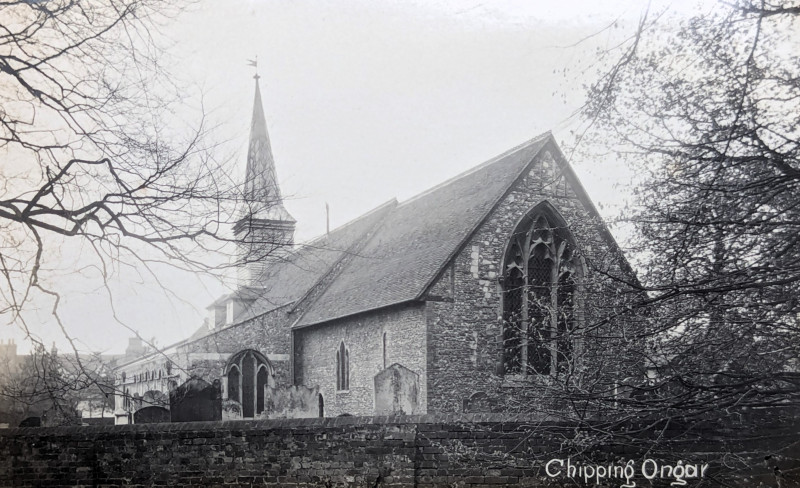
(478, 402)
(151, 415)
(31, 422)
(396, 391)
(195, 401)
(292, 402)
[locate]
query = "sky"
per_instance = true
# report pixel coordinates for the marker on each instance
(365, 101)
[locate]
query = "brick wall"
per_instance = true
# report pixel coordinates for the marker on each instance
(316, 346)
(422, 451)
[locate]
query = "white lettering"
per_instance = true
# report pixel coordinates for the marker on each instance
(547, 467)
(644, 469)
(571, 470)
(678, 473)
(586, 475)
(629, 472)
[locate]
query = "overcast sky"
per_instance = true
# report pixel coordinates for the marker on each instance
(366, 101)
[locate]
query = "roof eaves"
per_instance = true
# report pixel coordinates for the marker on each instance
(295, 325)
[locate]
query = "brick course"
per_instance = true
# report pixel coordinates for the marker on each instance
(421, 451)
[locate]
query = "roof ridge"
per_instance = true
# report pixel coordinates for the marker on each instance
(368, 233)
(515, 171)
(465, 239)
(369, 213)
(479, 167)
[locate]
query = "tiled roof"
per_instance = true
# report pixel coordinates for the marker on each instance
(292, 276)
(417, 238)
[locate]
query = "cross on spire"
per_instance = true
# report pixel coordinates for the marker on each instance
(261, 189)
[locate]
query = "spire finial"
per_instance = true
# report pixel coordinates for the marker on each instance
(254, 64)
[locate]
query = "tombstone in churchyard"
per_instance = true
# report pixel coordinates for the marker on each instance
(195, 401)
(31, 422)
(151, 415)
(396, 391)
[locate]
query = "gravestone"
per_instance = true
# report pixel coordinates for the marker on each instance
(291, 402)
(31, 422)
(151, 415)
(196, 400)
(396, 391)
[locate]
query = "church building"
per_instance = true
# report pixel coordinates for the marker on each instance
(479, 295)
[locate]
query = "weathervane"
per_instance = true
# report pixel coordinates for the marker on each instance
(254, 64)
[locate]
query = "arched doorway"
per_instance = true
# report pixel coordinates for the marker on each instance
(248, 372)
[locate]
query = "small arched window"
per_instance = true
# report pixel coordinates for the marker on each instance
(539, 285)
(123, 376)
(342, 368)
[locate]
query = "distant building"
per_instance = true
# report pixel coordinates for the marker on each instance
(48, 388)
(459, 298)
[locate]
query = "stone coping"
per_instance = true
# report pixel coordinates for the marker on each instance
(426, 422)
(269, 424)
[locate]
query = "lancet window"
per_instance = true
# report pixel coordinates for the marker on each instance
(342, 368)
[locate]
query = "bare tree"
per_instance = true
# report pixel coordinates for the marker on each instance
(705, 108)
(40, 386)
(98, 170)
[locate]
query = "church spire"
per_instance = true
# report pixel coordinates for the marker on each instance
(265, 230)
(261, 191)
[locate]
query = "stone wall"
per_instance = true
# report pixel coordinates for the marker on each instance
(267, 333)
(465, 314)
(419, 451)
(206, 357)
(316, 346)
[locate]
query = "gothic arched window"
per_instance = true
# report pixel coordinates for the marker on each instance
(539, 286)
(248, 373)
(342, 368)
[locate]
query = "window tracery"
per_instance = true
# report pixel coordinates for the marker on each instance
(539, 287)
(247, 374)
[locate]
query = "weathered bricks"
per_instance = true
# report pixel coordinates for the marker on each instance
(420, 451)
